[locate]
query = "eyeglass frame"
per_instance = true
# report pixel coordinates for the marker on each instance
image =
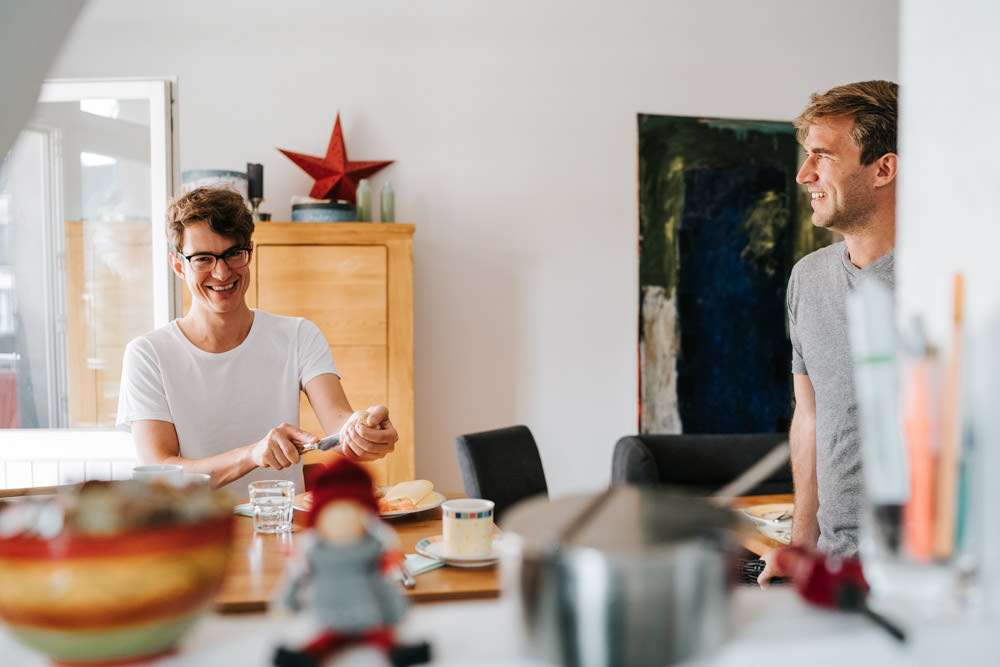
(247, 249)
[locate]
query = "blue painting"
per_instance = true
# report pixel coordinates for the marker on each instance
(722, 221)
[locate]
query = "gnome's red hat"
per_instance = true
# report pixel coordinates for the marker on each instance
(342, 480)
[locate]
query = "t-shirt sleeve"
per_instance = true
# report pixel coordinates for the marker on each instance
(142, 395)
(315, 357)
(791, 303)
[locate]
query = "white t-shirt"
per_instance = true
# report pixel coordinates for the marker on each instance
(219, 401)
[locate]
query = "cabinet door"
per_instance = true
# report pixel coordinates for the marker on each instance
(343, 290)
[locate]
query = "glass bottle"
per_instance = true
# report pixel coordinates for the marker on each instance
(363, 199)
(387, 203)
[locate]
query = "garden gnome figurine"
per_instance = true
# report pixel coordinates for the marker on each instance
(350, 562)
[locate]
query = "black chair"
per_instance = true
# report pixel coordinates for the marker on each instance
(501, 465)
(699, 463)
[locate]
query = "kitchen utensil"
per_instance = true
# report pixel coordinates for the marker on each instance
(322, 444)
(631, 576)
(405, 576)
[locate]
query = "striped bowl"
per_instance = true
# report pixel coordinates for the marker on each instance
(93, 600)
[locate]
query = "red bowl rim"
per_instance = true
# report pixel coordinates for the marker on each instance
(155, 539)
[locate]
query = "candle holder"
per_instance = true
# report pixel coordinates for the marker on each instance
(258, 215)
(255, 190)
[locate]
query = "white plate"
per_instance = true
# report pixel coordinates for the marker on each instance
(779, 532)
(303, 502)
(433, 547)
(430, 501)
(768, 513)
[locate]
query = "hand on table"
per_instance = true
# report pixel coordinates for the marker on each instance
(771, 569)
(371, 439)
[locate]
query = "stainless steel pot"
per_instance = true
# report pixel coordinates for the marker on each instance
(628, 577)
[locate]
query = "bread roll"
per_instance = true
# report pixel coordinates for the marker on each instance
(359, 417)
(414, 491)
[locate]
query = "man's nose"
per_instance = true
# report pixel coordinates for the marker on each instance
(807, 172)
(221, 269)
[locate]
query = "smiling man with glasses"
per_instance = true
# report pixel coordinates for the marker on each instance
(217, 390)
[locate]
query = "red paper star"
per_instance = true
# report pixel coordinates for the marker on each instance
(336, 176)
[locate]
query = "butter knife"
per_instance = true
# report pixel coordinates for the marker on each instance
(405, 576)
(322, 444)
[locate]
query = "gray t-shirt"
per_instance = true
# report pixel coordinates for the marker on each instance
(817, 320)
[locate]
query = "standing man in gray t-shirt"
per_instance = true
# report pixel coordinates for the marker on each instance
(849, 138)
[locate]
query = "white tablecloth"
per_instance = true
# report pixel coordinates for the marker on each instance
(772, 628)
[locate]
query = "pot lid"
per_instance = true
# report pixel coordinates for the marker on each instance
(623, 518)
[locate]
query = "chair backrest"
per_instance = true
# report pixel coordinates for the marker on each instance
(701, 463)
(501, 465)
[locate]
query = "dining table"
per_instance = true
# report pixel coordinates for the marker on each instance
(258, 563)
(476, 622)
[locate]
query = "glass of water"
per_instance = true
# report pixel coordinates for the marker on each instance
(271, 503)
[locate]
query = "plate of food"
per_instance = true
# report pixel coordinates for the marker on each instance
(401, 499)
(775, 514)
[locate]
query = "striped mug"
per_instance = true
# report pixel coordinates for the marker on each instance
(468, 527)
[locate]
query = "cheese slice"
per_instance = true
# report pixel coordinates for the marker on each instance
(414, 491)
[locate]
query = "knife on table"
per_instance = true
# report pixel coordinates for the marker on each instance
(322, 444)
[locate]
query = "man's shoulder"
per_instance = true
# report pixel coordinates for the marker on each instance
(163, 335)
(272, 320)
(282, 325)
(824, 256)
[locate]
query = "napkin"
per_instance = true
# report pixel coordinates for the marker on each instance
(243, 509)
(417, 564)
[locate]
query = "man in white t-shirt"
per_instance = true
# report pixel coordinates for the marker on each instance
(217, 390)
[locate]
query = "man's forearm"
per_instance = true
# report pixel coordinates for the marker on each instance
(802, 438)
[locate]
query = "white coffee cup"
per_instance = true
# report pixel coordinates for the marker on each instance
(468, 527)
(161, 472)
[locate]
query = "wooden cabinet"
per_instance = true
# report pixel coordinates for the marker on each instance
(355, 281)
(105, 262)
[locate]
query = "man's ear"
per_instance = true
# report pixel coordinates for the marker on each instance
(177, 264)
(885, 169)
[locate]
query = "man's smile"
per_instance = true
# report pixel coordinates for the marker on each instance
(222, 288)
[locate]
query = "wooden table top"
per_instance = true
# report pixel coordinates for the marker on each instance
(258, 563)
(751, 538)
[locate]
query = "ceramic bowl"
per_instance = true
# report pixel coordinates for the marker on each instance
(114, 598)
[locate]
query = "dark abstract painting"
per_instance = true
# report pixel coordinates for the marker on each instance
(722, 221)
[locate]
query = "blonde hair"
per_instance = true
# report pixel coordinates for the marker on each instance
(872, 104)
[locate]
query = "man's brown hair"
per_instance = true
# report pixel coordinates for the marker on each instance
(222, 208)
(872, 104)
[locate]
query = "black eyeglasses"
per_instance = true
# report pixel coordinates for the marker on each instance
(203, 262)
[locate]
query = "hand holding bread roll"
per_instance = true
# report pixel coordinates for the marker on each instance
(359, 417)
(368, 435)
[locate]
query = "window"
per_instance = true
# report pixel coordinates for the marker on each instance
(83, 256)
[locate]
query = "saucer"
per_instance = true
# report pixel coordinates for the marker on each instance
(433, 547)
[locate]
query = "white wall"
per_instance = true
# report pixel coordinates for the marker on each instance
(513, 127)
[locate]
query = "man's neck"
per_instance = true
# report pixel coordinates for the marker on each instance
(216, 332)
(874, 241)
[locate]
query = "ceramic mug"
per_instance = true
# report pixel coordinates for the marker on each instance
(161, 472)
(468, 527)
